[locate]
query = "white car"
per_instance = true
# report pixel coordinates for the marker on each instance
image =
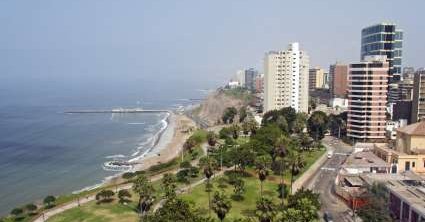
(330, 154)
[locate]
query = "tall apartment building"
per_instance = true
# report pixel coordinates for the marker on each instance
(250, 75)
(385, 39)
(259, 83)
(286, 79)
(338, 76)
(316, 78)
(367, 98)
(418, 103)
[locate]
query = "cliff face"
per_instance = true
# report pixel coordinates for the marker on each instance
(212, 108)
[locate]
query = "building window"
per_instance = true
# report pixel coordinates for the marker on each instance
(413, 164)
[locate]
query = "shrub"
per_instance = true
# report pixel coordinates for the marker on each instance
(128, 175)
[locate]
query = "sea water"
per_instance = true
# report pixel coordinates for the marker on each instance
(45, 151)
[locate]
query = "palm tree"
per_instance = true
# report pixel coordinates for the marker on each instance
(262, 163)
(208, 164)
(265, 210)
(297, 163)
(143, 187)
(221, 205)
(211, 138)
(281, 151)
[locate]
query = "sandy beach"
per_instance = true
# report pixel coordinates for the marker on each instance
(169, 145)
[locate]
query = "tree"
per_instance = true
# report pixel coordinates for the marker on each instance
(246, 128)
(282, 123)
(242, 114)
(242, 156)
(145, 190)
(317, 125)
(300, 123)
(229, 115)
(49, 201)
(208, 165)
(239, 189)
(305, 141)
(303, 193)
(17, 212)
(169, 185)
(235, 131)
(104, 195)
(265, 210)
(376, 208)
(128, 175)
(31, 208)
(304, 211)
(221, 205)
(261, 166)
(189, 144)
(123, 196)
(175, 210)
(297, 164)
(211, 138)
(281, 151)
(338, 124)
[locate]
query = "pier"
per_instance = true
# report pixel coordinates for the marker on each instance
(120, 111)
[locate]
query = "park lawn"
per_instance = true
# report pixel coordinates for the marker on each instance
(105, 212)
(239, 209)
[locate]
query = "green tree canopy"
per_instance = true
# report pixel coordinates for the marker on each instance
(317, 125)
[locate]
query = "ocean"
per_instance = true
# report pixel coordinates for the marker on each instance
(44, 151)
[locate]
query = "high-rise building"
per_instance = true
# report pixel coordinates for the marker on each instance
(259, 83)
(408, 72)
(250, 75)
(338, 75)
(286, 79)
(385, 39)
(418, 103)
(240, 77)
(316, 78)
(367, 98)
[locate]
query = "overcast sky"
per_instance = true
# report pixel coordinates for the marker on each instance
(181, 40)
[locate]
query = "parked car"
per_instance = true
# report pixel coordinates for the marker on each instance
(328, 217)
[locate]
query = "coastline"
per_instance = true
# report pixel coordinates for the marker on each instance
(169, 143)
(167, 146)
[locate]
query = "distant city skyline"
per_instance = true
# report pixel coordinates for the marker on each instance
(48, 41)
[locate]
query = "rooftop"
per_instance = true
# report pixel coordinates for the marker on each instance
(364, 159)
(411, 191)
(416, 129)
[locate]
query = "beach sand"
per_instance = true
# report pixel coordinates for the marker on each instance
(170, 144)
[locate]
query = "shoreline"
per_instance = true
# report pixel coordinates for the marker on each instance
(167, 146)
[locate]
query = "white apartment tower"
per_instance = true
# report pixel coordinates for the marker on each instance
(286, 76)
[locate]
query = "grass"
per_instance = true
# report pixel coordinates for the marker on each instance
(243, 208)
(93, 212)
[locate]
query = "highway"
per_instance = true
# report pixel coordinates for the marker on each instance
(324, 180)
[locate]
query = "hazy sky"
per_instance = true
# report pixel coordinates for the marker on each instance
(121, 42)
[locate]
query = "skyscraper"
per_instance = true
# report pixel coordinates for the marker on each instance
(250, 75)
(316, 78)
(338, 75)
(367, 98)
(286, 79)
(418, 103)
(384, 39)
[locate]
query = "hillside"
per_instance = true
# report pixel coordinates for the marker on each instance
(213, 106)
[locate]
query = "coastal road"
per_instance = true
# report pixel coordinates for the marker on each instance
(323, 181)
(76, 203)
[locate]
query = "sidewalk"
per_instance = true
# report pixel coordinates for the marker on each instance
(311, 171)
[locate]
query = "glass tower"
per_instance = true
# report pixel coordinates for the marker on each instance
(384, 39)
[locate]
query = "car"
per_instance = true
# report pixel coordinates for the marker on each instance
(330, 154)
(328, 217)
